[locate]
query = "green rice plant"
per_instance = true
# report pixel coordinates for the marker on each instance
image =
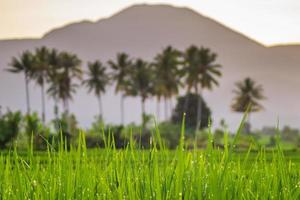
(158, 173)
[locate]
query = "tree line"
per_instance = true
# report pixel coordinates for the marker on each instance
(60, 73)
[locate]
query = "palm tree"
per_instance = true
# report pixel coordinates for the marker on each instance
(97, 81)
(52, 78)
(167, 79)
(62, 85)
(248, 94)
(142, 82)
(201, 72)
(40, 74)
(158, 89)
(24, 65)
(70, 67)
(121, 70)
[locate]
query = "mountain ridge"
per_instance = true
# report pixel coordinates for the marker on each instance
(149, 5)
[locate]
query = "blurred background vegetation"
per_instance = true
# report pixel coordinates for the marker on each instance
(60, 73)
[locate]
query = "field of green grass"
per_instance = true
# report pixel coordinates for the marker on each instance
(156, 173)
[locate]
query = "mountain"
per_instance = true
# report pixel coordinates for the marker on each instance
(142, 31)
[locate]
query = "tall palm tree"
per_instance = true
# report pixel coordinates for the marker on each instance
(158, 89)
(62, 85)
(121, 70)
(70, 69)
(97, 81)
(248, 94)
(40, 74)
(141, 82)
(23, 64)
(52, 78)
(201, 73)
(167, 75)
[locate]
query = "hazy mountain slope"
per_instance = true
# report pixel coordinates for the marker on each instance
(144, 30)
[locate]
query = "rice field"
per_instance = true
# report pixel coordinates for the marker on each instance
(157, 173)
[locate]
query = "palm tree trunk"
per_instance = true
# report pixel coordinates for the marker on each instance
(186, 101)
(66, 107)
(143, 107)
(43, 104)
(199, 110)
(170, 106)
(100, 107)
(27, 93)
(122, 109)
(158, 110)
(56, 112)
(143, 110)
(166, 109)
(248, 124)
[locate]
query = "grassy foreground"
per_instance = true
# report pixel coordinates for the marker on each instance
(157, 173)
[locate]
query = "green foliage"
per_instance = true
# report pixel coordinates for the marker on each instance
(200, 69)
(289, 134)
(200, 72)
(272, 141)
(121, 71)
(141, 82)
(41, 65)
(122, 68)
(170, 133)
(24, 64)
(67, 124)
(97, 81)
(97, 78)
(97, 126)
(248, 93)
(33, 125)
(9, 127)
(167, 73)
(191, 111)
(62, 85)
(218, 136)
(36, 132)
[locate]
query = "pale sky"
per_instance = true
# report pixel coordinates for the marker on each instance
(267, 21)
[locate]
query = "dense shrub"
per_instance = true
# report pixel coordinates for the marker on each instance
(188, 104)
(9, 127)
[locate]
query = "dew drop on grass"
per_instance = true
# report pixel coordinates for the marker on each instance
(34, 183)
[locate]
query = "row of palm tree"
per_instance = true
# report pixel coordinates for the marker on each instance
(58, 69)
(193, 70)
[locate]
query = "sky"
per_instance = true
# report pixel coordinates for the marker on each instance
(269, 22)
